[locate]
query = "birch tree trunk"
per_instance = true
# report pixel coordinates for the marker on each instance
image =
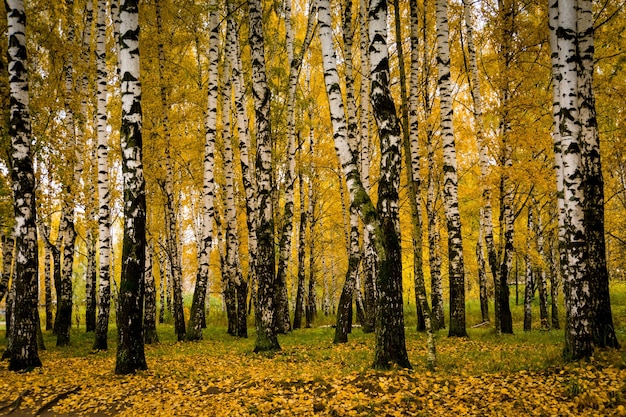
(130, 349)
(529, 290)
(503, 318)
(390, 344)
(456, 268)
(149, 320)
(434, 240)
(104, 213)
(311, 300)
(577, 283)
(265, 310)
(194, 327)
(411, 149)
(486, 220)
(67, 233)
(302, 226)
(370, 261)
(24, 320)
(603, 328)
(561, 259)
(248, 180)
(168, 189)
(344, 309)
(232, 267)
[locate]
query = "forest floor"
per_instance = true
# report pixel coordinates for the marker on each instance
(484, 375)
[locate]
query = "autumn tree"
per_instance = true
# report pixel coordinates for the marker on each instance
(130, 351)
(265, 308)
(104, 195)
(25, 319)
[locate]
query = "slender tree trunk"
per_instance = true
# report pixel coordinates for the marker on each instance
(170, 212)
(311, 300)
(149, 320)
(540, 272)
(265, 311)
(530, 280)
(23, 328)
(8, 245)
(456, 268)
(560, 260)
(344, 309)
(194, 327)
(370, 261)
(104, 216)
(486, 216)
(302, 226)
(482, 272)
(232, 267)
(434, 240)
(130, 348)
(411, 148)
(248, 180)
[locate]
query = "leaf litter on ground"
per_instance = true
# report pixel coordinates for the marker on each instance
(481, 376)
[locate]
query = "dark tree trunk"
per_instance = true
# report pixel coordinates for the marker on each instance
(150, 308)
(344, 309)
(90, 283)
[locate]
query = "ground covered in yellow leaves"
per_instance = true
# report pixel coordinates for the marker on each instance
(484, 375)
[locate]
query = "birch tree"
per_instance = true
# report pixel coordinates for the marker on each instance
(130, 349)
(167, 186)
(265, 308)
(382, 221)
(104, 216)
(456, 269)
(24, 320)
(194, 327)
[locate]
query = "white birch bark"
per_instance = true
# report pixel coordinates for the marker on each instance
(130, 349)
(194, 328)
(24, 320)
(266, 298)
(577, 291)
(104, 197)
(456, 268)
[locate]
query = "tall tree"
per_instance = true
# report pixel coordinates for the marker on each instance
(577, 289)
(265, 309)
(486, 216)
(168, 187)
(104, 216)
(603, 328)
(411, 149)
(24, 320)
(130, 348)
(194, 327)
(456, 269)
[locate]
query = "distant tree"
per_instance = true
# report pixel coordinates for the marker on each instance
(130, 349)
(149, 319)
(24, 320)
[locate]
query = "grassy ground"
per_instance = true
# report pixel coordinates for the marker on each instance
(486, 374)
